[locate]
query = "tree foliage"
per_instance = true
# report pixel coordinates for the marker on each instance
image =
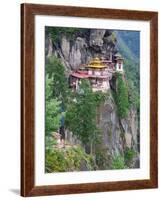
(132, 75)
(53, 114)
(71, 159)
(118, 162)
(121, 97)
(56, 72)
(129, 46)
(129, 154)
(81, 114)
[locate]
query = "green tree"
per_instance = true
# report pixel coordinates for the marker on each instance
(81, 114)
(53, 114)
(133, 93)
(59, 84)
(121, 97)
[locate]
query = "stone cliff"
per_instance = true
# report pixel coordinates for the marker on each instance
(118, 134)
(80, 50)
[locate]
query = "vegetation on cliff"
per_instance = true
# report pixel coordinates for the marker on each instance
(69, 159)
(80, 116)
(53, 114)
(80, 112)
(80, 109)
(121, 96)
(57, 32)
(128, 44)
(59, 83)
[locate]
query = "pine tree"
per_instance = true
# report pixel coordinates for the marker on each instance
(53, 114)
(122, 97)
(81, 114)
(56, 72)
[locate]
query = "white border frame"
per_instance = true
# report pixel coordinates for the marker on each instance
(92, 176)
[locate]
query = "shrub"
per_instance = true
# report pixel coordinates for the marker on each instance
(103, 160)
(129, 155)
(68, 159)
(118, 162)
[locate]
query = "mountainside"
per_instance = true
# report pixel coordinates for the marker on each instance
(119, 134)
(128, 43)
(81, 46)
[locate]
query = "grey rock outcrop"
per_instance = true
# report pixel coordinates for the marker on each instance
(96, 39)
(65, 47)
(74, 53)
(117, 134)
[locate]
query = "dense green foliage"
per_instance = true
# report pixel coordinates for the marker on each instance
(123, 161)
(128, 43)
(54, 99)
(118, 162)
(100, 97)
(132, 75)
(81, 114)
(80, 109)
(129, 154)
(70, 159)
(121, 96)
(56, 71)
(53, 114)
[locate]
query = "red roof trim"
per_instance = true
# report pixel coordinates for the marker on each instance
(81, 75)
(78, 75)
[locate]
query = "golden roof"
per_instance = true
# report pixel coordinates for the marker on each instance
(96, 63)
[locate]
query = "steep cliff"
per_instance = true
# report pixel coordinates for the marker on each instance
(77, 50)
(119, 136)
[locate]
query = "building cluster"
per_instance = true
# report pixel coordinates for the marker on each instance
(98, 71)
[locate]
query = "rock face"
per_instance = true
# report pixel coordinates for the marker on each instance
(96, 39)
(117, 134)
(49, 47)
(65, 47)
(82, 49)
(77, 53)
